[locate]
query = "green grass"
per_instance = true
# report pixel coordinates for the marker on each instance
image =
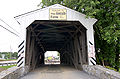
(6, 67)
(7, 59)
(112, 68)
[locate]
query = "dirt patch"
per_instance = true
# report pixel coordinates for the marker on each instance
(1, 69)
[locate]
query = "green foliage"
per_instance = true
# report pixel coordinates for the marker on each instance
(58, 54)
(0, 56)
(9, 55)
(6, 67)
(110, 68)
(14, 54)
(107, 28)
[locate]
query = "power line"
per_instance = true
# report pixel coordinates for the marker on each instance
(8, 25)
(9, 30)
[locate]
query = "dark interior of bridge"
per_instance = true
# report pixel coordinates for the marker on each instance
(66, 37)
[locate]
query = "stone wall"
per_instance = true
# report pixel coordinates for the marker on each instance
(14, 72)
(101, 72)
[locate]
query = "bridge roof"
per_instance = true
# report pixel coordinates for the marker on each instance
(43, 14)
(53, 35)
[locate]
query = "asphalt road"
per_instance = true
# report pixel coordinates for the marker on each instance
(57, 72)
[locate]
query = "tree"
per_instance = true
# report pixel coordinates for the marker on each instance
(107, 28)
(58, 54)
(0, 55)
(14, 55)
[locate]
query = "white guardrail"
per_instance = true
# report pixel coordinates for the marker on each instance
(7, 63)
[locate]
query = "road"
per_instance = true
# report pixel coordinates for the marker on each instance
(57, 72)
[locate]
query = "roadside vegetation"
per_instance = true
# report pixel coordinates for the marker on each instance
(112, 68)
(106, 29)
(6, 67)
(7, 56)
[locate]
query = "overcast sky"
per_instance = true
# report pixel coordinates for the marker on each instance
(8, 10)
(51, 53)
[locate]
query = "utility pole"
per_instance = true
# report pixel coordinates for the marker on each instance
(10, 52)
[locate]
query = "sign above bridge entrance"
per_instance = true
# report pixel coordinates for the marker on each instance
(57, 14)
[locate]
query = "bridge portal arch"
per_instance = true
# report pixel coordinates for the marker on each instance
(56, 28)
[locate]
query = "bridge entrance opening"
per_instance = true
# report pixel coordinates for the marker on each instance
(52, 57)
(66, 37)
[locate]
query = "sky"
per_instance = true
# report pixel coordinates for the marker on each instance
(51, 53)
(8, 10)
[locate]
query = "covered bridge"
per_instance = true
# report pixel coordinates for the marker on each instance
(56, 28)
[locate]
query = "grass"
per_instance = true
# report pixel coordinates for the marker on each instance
(7, 59)
(6, 67)
(112, 68)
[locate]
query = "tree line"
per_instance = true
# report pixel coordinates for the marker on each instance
(9, 55)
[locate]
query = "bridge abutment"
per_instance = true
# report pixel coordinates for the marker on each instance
(101, 72)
